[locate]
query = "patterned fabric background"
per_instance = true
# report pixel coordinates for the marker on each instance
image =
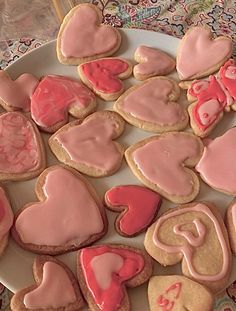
(170, 17)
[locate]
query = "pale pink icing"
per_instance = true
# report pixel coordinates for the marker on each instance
(217, 166)
(187, 250)
(231, 73)
(17, 94)
(54, 96)
(198, 52)
(189, 236)
(55, 290)
(199, 86)
(82, 37)
(161, 162)
(6, 215)
(154, 62)
(91, 143)
(65, 217)
(208, 110)
(104, 266)
(150, 102)
(19, 150)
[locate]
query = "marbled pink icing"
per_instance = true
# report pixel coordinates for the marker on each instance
(64, 216)
(55, 290)
(150, 102)
(19, 150)
(161, 161)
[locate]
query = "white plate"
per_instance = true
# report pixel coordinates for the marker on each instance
(16, 264)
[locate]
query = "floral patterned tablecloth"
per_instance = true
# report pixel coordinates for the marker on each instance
(167, 16)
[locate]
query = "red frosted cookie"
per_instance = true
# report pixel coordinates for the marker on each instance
(211, 98)
(200, 55)
(138, 206)
(104, 76)
(55, 288)
(104, 271)
(153, 106)
(152, 62)
(89, 146)
(195, 235)
(47, 227)
(16, 95)
(82, 37)
(231, 225)
(21, 148)
(6, 220)
(56, 97)
(163, 163)
(217, 166)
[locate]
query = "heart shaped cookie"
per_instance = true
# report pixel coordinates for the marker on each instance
(152, 62)
(217, 165)
(82, 37)
(196, 235)
(6, 220)
(55, 97)
(138, 206)
(16, 95)
(47, 227)
(152, 106)
(163, 164)
(199, 55)
(55, 288)
(105, 270)
(89, 146)
(21, 148)
(104, 76)
(231, 225)
(176, 292)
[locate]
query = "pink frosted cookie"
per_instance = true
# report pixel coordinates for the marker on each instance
(138, 206)
(200, 55)
(177, 293)
(88, 146)
(6, 220)
(195, 235)
(82, 37)
(103, 76)
(21, 148)
(152, 62)
(47, 227)
(217, 166)
(16, 95)
(55, 288)
(231, 225)
(55, 97)
(104, 272)
(163, 164)
(153, 106)
(211, 98)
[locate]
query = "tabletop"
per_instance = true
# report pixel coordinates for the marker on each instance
(26, 26)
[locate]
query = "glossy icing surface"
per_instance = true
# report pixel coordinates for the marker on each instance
(17, 94)
(6, 215)
(54, 96)
(19, 149)
(141, 203)
(206, 53)
(90, 143)
(161, 162)
(217, 165)
(65, 217)
(103, 74)
(83, 36)
(105, 270)
(55, 290)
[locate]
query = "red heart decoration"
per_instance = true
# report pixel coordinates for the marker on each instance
(139, 205)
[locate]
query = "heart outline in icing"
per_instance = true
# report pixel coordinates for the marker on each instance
(170, 101)
(121, 206)
(98, 24)
(17, 301)
(41, 195)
